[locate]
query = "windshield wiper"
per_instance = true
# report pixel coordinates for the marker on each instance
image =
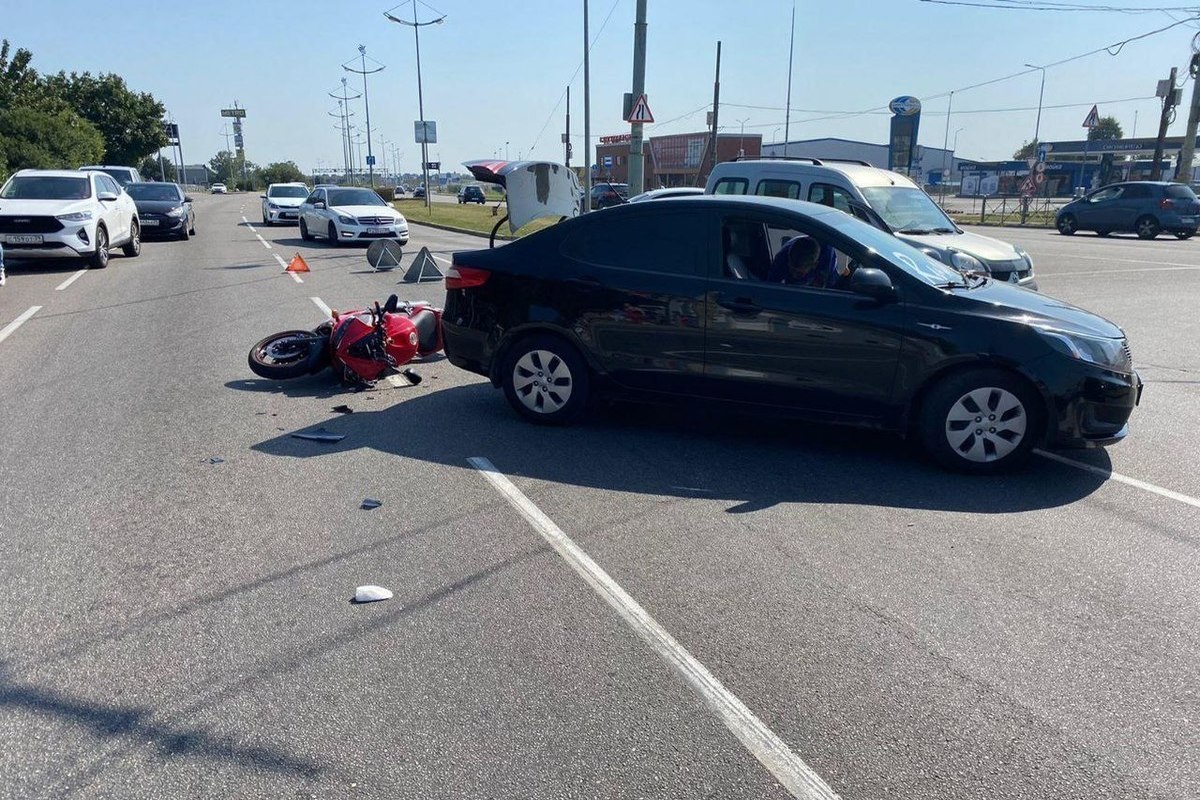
(917, 231)
(945, 230)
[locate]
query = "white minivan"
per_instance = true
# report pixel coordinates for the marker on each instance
(883, 198)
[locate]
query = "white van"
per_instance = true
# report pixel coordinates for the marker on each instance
(883, 198)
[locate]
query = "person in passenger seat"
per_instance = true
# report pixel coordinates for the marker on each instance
(802, 261)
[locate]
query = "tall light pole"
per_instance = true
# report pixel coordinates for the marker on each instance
(362, 53)
(344, 104)
(1037, 126)
(416, 25)
(742, 137)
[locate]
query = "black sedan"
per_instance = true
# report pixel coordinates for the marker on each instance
(791, 308)
(163, 209)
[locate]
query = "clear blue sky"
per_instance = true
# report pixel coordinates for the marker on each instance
(495, 71)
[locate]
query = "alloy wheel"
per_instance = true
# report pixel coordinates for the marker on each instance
(542, 381)
(986, 424)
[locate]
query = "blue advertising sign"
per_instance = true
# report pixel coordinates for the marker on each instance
(370, 161)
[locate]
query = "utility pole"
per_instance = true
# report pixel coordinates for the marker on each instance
(567, 134)
(636, 158)
(362, 53)
(416, 25)
(1183, 170)
(587, 116)
(1163, 121)
(787, 119)
(716, 110)
(344, 104)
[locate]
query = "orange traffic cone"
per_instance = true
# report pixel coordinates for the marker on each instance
(297, 264)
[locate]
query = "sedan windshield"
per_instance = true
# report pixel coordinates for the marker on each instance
(354, 197)
(287, 191)
(43, 187)
(153, 191)
(907, 210)
(896, 251)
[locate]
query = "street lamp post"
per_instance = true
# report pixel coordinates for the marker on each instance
(742, 137)
(416, 25)
(1037, 127)
(362, 53)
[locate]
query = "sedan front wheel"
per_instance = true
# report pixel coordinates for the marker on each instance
(981, 421)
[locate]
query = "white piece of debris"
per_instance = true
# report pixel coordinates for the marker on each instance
(370, 594)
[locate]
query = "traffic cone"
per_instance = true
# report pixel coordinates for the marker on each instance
(297, 264)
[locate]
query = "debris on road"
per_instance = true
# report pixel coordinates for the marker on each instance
(413, 376)
(343, 409)
(320, 435)
(370, 503)
(216, 460)
(371, 594)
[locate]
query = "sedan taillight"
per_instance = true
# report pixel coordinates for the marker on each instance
(1166, 202)
(465, 277)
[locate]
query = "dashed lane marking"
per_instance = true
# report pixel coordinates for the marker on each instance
(1116, 476)
(8, 329)
(70, 280)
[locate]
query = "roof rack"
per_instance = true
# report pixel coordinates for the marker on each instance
(814, 161)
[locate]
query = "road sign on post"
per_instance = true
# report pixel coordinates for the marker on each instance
(233, 112)
(370, 161)
(425, 131)
(1093, 118)
(640, 113)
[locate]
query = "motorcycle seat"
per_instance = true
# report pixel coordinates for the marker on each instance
(425, 322)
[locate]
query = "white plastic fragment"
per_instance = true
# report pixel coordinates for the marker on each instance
(370, 594)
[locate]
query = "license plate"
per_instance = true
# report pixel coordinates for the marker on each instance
(377, 230)
(1188, 220)
(287, 215)
(23, 238)
(150, 222)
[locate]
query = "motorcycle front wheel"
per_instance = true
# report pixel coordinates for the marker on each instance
(285, 355)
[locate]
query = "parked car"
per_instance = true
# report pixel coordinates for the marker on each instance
(662, 194)
(282, 202)
(666, 300)
(218, 188)
(123, 175)
(350, 215)
(1146, 208)
(164, 209)
(399, 192)
(67, 213)
(606, 195)
(471, 194)
(419, 193)
(881, 197)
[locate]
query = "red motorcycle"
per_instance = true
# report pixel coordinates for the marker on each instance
(359, 345)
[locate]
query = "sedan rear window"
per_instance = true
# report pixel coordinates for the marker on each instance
(44, 187)
(1180, 192)
(153, 191)
(288, 191)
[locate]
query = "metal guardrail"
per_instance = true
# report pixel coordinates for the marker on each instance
(1012, 210)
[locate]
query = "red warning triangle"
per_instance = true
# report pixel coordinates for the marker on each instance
(641, 111)
(297, 264)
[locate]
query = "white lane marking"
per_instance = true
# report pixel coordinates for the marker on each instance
(326, 310)
(279, 258)
(1134, 261)
(1116, 476)
(245, 220)
(296, 277)
(70, 280)
(265, 243)
(787, 767)
(7, 330)
(1095, 272)
(439, 258)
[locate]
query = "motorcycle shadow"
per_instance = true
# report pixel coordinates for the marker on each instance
(320, 386)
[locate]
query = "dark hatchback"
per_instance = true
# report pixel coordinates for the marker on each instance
(1146, 208)
(672, 299)
(163, 209)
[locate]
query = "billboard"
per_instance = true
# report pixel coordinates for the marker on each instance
(902, 141)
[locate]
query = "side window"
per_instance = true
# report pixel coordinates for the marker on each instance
(776, 253)
(107, 184)
(666, 242)
(731, 186)
(1135, 193)
(314, 197)
(1104, 195)
(828, 195)
(778, 188)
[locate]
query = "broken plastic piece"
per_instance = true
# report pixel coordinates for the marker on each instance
(320, 435)
(344, 409)
(216, 460)
(371, 594)
(371, 502)
(413, 376)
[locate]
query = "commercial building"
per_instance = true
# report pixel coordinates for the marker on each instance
(682, 159)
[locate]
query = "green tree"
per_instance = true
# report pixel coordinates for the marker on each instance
(130, 122)
(281, 172)
(1108, 128)
(32, 138)
(1027, 150)
(226, 166)
(151, 169)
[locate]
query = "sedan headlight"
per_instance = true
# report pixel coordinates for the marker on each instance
(75, 216)
(342, 218)
(1099, 350)
(966, 263)
(175, 212)
(272, 206)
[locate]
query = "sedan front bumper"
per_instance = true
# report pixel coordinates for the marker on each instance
(1094, 408)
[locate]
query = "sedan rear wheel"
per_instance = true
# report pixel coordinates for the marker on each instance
(1067, 224)
(545, 380)
(981, 421)
(1147, 227)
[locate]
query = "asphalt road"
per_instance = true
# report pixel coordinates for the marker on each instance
(174, 627)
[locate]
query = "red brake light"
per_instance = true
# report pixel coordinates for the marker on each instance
(1166, 202)
(465, 277)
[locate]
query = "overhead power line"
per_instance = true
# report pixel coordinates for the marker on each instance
(1046, 5)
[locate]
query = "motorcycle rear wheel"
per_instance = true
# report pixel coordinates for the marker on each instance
(284, 355)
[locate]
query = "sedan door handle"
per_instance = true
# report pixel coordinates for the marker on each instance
(741, 305)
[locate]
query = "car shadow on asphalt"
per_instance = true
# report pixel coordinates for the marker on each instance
(753, 463)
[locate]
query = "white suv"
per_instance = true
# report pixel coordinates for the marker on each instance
(282, 202)
(62, 213)
(885, 199)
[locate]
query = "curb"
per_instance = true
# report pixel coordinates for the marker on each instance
(468, 231)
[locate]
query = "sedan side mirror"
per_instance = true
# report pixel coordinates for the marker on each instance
(872, 282)
(319, 204)
(263, 196)
(107, 197)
